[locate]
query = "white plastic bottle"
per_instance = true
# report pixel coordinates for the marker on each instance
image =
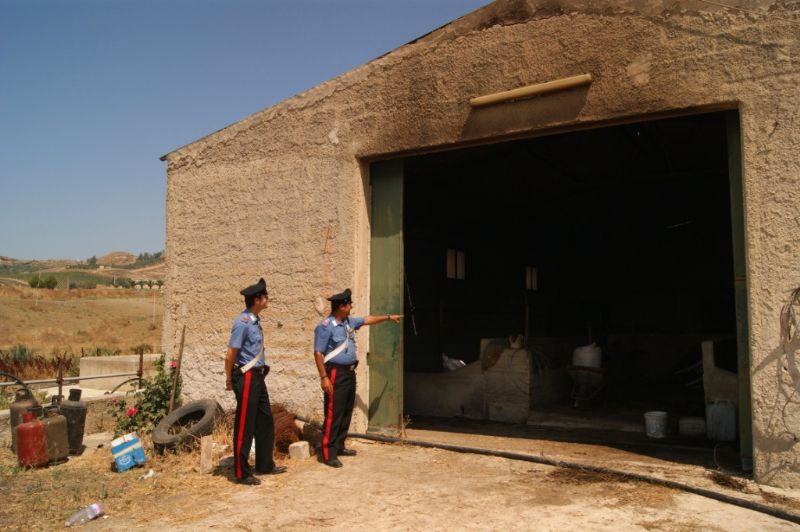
(92, 511)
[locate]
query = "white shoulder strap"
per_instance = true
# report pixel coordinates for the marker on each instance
(247, 367)
(341, 347)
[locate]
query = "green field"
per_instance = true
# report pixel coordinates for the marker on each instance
(80, 278)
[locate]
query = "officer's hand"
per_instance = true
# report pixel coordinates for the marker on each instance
(326, 386)
(228, 385)
(395, 317)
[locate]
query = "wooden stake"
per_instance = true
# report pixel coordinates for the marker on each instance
(206, 454)
(177, 372)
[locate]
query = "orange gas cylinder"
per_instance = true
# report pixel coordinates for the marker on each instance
(31, 442)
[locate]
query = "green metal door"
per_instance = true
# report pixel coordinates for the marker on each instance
(740, 287)
(386, 297)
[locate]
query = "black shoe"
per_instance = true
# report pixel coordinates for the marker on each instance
(348, 452)
(334, 463)
(250, 481)
(276, 470)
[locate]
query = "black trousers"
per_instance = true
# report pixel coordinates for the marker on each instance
(253, 419)
(338, 409)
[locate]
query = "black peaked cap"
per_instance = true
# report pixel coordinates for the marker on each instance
(255, 289)
(344, 297)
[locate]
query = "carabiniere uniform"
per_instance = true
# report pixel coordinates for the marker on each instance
(329, 337)
(253, 415)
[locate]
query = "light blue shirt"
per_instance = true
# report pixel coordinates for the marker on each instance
(247, 337)
(330, 334)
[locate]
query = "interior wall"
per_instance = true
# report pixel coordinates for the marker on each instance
(628, 227)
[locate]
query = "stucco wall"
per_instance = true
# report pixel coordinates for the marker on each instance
(284, 193)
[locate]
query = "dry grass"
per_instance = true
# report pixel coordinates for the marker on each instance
(50, 321)
(42, 499)
(780, 501)
(286, 431)
(625, 492)
(727, 481)
(582, 476)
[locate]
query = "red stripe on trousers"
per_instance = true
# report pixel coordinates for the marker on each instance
(242, 418)
(326, 439)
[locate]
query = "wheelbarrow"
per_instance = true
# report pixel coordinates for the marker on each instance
(587, 384)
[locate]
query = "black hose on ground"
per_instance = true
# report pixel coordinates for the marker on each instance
(721, 497)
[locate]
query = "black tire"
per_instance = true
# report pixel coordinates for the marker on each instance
(186, 424)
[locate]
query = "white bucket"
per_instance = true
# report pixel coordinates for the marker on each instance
(655, 424)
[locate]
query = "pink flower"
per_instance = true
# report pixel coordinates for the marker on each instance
(114, 400)
(132, 411)
(173, 364)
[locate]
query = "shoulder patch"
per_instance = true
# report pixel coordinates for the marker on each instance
(325, 322)
(245, 319)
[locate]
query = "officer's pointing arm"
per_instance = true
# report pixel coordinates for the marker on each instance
(372, 320)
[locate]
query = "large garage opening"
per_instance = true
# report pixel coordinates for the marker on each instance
(575, 280)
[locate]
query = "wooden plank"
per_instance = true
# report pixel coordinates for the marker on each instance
(206, 454)
(385, 357)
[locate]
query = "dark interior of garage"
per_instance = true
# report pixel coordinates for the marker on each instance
(619, 236)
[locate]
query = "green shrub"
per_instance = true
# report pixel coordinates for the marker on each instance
(100, 352)
(19, 354)
(37, 281)
(141, 412)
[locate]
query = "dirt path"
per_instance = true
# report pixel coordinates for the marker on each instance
(385, 487)
(393, 487)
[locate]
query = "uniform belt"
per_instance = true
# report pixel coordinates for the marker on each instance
(344, 367)
(261, 370)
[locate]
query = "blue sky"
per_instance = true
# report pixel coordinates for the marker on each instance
(93, 92)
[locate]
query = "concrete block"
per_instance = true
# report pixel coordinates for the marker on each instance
(91, 366)
(299, 450)
(446, 394)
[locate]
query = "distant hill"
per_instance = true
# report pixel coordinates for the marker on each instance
(116, 258)
(8, 264)
(108, 269)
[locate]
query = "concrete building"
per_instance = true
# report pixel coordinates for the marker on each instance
(650, 204)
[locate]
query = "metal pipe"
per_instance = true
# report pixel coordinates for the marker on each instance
(120, 385)
(140, 371)
(60, 380)
(68, 379)
(531, 90)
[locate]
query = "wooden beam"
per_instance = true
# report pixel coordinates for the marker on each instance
(531, 90)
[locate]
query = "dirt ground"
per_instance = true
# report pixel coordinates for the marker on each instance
(385, 487)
